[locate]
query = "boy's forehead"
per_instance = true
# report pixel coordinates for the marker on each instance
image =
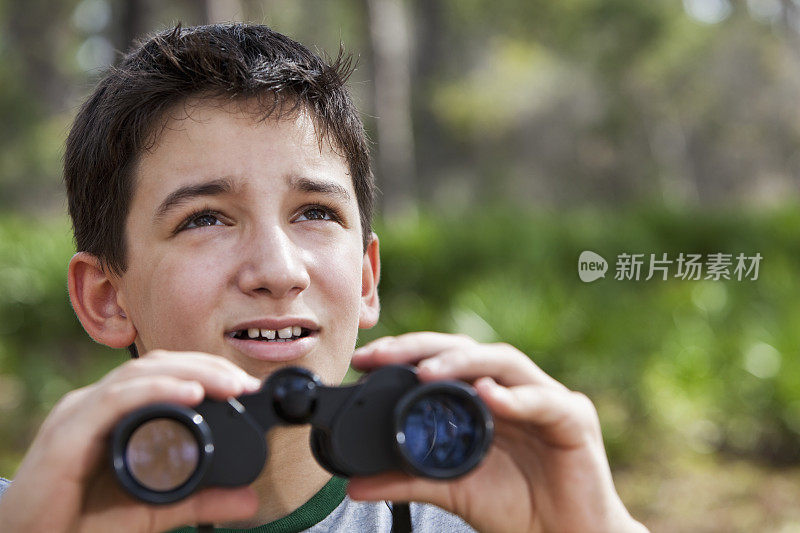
(205, 139)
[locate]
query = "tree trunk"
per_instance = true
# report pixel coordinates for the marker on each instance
(391, 57)
(132, 24)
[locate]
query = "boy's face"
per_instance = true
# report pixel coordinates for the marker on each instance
(238, 225)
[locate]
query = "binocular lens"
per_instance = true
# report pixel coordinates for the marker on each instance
(441, 432)
(162, 454)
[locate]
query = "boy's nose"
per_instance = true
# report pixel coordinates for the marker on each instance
(272, 264)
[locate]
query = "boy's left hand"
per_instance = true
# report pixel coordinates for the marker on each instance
(546, 469)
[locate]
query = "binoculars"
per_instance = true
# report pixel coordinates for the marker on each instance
(387, 421)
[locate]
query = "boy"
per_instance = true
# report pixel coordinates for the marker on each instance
(221, 198)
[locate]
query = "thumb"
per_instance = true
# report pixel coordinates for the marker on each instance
(400, 487)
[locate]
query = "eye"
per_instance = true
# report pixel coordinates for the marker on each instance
(317, 212)
(200, 220)
(203, 220)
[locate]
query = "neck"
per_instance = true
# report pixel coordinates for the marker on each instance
(289, 479)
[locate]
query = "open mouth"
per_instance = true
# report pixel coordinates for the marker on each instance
(286, 334)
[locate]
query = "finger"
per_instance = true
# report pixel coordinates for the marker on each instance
(110, 402)
(502, 362)
(76, 435)
(216, 383)
(219, 377)
(565, 418)
(208, 507)
(408, 348)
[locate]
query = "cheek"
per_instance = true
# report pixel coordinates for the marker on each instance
(341, 276)
(176, 300)
(337, 303)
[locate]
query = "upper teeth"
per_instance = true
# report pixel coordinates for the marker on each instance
(284, 333)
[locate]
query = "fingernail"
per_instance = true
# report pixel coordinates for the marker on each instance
(486, 383)
(232, 383)
(251, 384)
(497, 390)
(191, 390)
(488, 380)
(361, 352)
(431, 365)
(371, 346)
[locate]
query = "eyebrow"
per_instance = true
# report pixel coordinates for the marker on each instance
(324, 187)
(220, 186)
(212, 187)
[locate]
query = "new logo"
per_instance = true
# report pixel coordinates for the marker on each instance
(591, 266)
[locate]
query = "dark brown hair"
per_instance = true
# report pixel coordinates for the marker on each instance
(128, 109)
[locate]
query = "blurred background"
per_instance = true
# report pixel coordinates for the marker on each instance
(510, 136)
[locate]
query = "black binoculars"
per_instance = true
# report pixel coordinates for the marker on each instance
(387, 421)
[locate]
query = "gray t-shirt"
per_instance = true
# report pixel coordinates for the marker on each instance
(377, 516)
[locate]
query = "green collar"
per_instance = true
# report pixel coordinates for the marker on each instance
(310, 513)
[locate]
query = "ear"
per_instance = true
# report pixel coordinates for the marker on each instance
(94, 299)
(370, 275)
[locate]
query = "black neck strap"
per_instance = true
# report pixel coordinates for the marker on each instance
(401, 518)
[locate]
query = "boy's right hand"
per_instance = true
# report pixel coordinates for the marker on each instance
(65, 482)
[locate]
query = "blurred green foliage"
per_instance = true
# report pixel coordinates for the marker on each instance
(44, 352)
(695, 365)
(700, 364)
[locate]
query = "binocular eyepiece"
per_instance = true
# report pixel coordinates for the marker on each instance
(387, 421)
